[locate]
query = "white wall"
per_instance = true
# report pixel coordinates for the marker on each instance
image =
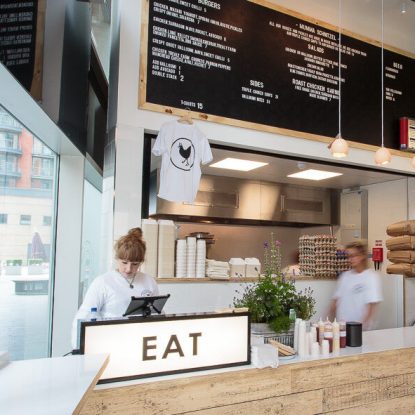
(387, 203)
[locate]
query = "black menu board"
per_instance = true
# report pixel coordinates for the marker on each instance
(245, 62)
(21, 41)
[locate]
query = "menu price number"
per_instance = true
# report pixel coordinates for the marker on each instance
(192, 104)
(255, 92)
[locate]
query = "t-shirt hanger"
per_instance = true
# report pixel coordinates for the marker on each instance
(186, 118)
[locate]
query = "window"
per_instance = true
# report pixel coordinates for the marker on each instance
(25, 219)
(47, 220)
(9, 140)
(40, 148)
(23, 240)
(42, 166)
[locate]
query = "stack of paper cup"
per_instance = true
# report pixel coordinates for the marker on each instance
(165, 266)
(201, 258)
(181, 255)
(191, 257)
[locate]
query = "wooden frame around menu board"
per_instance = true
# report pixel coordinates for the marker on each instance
(146, 103)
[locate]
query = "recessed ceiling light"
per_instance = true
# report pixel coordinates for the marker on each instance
(312, 174)
(238, 164)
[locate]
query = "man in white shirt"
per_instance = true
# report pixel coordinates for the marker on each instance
(358, 291)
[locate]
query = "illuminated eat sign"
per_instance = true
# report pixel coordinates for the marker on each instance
(143, 347)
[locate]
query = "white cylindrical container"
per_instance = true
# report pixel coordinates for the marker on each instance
(150, 230)
(297, 322)
(181, 258)
(191, 257)
(201, 258)
(325, 348)
(166, 243)
(315, 349)
(302, 339)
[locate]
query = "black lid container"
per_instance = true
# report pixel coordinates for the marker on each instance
(353, 334)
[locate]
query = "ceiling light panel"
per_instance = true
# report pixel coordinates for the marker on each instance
(238, 164)
(312, 174)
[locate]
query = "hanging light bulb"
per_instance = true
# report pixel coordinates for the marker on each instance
(339, 147)
(403, 7)
(383, 155)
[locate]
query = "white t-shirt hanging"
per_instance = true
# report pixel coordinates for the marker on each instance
(182, 147)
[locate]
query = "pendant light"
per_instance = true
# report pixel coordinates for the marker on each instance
(383, 155)
(339, 147)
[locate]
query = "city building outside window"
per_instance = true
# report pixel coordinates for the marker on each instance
(28, 176)
(25, 219)
(47, 220)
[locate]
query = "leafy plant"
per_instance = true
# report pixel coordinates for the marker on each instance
(270, 298)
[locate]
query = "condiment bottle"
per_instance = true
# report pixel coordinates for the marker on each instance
(336, 336)
(328, 334)
(342, 326)
(320, 331)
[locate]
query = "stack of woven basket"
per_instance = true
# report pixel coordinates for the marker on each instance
(401, 248)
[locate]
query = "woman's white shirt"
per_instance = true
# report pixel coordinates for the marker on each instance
(110, 293)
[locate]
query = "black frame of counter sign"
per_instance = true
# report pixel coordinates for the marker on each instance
(172, 317)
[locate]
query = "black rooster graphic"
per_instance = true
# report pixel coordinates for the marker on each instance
(185, 153)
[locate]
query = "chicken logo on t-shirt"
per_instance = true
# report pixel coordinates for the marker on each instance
(182, 154)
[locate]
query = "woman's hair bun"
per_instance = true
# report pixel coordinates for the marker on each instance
(137, 232)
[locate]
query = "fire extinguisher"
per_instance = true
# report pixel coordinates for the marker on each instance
(377, 254)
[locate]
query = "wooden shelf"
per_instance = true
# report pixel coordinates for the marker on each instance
(233, 280)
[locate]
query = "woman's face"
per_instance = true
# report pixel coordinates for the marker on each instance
(355, 257)
(127, 268)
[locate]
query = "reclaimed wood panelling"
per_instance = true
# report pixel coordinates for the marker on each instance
(374, 383)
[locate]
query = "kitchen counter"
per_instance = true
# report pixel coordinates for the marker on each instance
(373, 379)
(49, 386)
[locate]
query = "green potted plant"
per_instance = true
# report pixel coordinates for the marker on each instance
(270, 298)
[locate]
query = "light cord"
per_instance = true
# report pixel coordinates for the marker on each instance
(340, 64)
(382, 83)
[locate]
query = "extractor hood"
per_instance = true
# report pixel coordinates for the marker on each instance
(241, 201)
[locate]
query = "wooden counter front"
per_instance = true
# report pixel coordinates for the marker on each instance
(369, 383)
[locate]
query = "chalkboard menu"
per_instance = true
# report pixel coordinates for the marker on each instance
(242, 61)
(21, 41)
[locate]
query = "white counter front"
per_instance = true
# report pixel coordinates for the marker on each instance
(49, 386)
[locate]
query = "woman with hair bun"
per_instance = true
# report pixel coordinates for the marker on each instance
(111, 292)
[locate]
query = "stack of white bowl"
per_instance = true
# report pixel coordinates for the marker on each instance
(181, 255)
(191, 257)
(201, 258)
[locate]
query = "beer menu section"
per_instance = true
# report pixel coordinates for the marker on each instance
(239, 60)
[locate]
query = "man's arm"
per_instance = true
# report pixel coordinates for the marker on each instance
(370, 313)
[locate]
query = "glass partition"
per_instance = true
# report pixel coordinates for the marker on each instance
(28, 176)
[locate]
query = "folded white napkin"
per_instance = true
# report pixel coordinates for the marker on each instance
(264, 355)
